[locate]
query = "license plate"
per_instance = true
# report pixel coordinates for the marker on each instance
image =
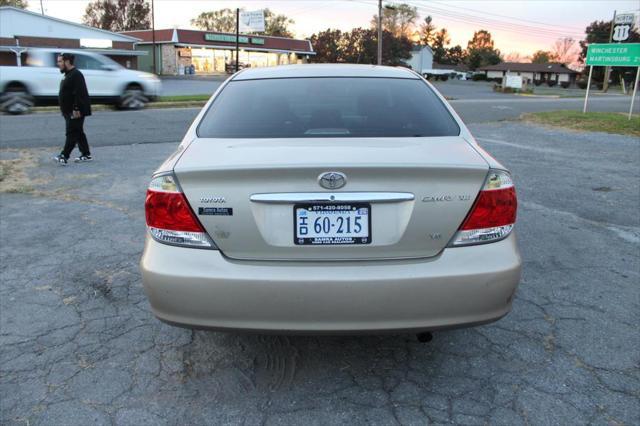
(332, 224)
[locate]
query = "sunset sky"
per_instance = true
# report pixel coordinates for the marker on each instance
(517, 26)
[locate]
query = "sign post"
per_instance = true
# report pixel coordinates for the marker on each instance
(237, 39)
(635, 91)
(613, 55)
(586, 96)
(247, 22)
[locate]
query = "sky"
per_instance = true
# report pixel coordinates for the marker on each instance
(517, 26)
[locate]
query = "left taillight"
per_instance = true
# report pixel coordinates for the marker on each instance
(170, 219)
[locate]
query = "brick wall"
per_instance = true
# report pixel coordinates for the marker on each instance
(4, 41)
(127, 45)
(169, 59)
(49, 42)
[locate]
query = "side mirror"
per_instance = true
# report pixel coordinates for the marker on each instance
(108, 67)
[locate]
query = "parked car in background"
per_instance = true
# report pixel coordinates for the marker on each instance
(230, 67)
(330, 198)
(37, 80)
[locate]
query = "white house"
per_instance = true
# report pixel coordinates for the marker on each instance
(421, 59)
(550, 73)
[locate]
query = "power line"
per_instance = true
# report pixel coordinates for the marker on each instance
(505, 16)
(552, 33)
(508, 26)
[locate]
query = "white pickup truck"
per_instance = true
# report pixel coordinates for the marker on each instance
(38, 79)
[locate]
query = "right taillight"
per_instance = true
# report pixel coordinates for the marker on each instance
(170, 219)
(493, 214)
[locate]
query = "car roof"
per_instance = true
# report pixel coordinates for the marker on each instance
(325, 70)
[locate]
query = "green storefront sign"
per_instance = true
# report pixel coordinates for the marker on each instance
(225, 38)
(614, 55)
(232, 39)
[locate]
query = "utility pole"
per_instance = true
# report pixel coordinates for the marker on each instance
(41, 8)
(379, 32)
(153, 36)
(237, 38)
(607, 70)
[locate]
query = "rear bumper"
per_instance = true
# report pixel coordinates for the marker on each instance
(203, 289)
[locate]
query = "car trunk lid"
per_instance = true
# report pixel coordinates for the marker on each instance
(244, 192)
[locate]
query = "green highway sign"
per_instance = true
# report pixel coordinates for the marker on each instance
(614, 55)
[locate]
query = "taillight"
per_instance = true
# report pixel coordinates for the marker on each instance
(493, 214)
(170, 219)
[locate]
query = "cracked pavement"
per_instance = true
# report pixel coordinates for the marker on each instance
(80, 346)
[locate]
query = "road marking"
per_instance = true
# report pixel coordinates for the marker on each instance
(526, 147)
(577, 101)
(630, 234)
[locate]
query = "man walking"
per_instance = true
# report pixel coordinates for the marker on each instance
(75, 106)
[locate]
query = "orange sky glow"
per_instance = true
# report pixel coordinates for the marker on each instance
(517, 26)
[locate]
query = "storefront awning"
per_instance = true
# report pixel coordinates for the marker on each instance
(114, 52)
(243, 48)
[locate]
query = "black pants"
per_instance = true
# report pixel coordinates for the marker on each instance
(75, 135)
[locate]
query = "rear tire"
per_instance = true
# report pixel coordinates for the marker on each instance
(16, 99)
(132, 98)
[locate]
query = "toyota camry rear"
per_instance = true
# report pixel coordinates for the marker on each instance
(330, 198)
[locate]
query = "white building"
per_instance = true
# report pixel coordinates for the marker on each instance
(21, 29)
(549, 73)
(421, 59)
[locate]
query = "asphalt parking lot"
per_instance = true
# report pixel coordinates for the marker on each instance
(80, 346)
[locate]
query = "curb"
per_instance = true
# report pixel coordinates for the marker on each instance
(150, 105)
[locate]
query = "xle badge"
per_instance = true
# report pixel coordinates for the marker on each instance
(215, 211)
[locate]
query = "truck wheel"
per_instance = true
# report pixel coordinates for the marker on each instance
(132, 98)
(16, 100)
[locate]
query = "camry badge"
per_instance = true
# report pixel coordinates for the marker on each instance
(332, 180)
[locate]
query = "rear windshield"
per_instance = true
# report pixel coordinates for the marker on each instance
(327, 107)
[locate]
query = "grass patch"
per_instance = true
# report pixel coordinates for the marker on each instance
(14, 173)
(183, 98)
(608, 122)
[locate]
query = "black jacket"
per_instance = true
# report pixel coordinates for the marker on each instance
(73, 95)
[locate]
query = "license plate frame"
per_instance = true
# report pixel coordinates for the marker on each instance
(332, 241)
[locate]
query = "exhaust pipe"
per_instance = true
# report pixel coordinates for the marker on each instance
(424, 337)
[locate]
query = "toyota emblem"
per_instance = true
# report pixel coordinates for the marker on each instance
(332, 180)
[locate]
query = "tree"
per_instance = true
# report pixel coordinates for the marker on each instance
(455, 55)
(542, 57)
(427, 31)
(359, 46)
(439, 46)
(514, 57)
(327, 46)
(480, 50)
(564, 50)
(118, 15)
(277, 25)
(223, 21)
(598, 32)
(20, 4)
(398, 20)
(481, 40)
